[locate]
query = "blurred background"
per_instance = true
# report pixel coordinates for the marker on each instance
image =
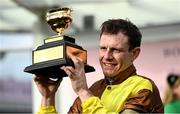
(23, 27)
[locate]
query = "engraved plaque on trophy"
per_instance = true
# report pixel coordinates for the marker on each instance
(49, 57)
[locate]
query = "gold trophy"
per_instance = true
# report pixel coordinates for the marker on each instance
(49, 57)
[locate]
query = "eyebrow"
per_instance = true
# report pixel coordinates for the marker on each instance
(112, 48)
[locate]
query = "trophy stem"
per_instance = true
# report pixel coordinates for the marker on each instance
(60, 31)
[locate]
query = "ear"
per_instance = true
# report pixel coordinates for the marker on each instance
(135, 53)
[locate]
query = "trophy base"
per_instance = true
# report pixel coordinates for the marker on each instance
(52, 69)
(49, 57)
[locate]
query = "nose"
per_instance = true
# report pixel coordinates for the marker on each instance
(108, 54)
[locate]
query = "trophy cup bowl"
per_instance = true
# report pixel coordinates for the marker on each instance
(49, 57)
(59, 19)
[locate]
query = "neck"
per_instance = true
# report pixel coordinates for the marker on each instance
(130, 71)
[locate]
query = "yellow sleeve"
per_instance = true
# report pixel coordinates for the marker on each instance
(93, 105)
(47, 110)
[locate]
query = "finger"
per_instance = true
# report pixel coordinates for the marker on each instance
(76, 60)
(41, 80)
(38, 78)
(69, 70)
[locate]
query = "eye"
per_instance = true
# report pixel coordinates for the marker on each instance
(116, 50)
(103, 48)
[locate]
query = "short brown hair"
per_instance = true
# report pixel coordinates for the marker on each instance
(114, 26)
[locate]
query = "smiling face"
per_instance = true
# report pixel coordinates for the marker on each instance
(114, 54)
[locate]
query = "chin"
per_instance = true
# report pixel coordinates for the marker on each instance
(108, 74)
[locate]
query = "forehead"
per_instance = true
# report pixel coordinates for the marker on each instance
(114, 39)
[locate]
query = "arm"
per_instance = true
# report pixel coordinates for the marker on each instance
(141, 102)
(77, 77)
(47, 88)
(94, 105)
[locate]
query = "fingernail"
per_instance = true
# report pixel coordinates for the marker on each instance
(62, 68)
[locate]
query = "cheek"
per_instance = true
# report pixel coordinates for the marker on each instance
(122, 58)
(100, 55)
(124, 61)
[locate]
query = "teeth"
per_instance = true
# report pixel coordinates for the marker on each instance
(108, 64)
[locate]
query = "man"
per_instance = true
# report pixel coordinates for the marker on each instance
(121, 90)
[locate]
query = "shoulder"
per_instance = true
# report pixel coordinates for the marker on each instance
(154, 87)
(137, 78)
(145, 95)
(138, 83)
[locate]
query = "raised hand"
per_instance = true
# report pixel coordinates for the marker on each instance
(77, 77)
(47, 88)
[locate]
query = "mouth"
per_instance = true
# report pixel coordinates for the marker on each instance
(109, 65)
